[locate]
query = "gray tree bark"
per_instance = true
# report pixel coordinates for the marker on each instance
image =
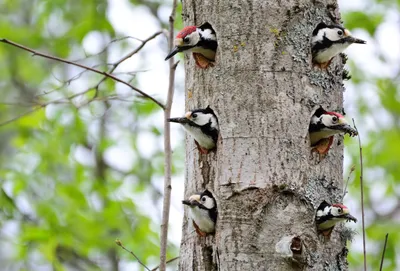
(264, 91)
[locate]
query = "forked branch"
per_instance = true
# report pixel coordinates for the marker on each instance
(362, 196)
(167, 146)
(106, 74)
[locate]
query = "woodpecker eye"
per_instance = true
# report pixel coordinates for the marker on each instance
(203, 199)
(186, 39)
(194, 115)
(335, 119)
(340, 210)
(340, 32)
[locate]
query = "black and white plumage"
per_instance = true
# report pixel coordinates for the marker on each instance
(324, 125)
(203, 212)
(202, 41)
(328, 216)
(202, 124)
(328, 41)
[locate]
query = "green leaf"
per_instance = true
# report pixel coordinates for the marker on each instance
(370, 22)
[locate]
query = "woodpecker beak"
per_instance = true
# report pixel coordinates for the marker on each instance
(351, 39)
(349, 217)
(179, 120)
(174, 52)
(345, 127)
(194, 200)
(346, 215)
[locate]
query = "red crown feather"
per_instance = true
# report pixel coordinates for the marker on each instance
(339, 205)
(186, 31)
(335, 114)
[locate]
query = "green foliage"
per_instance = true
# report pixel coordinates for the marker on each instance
(66, 201)
(359, 19)
(380, 147)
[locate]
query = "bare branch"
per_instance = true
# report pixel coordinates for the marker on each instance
(106, 74)
(22, 115)
(116, 64)
(167, 146)
(383, 252)
(107, 46)
(22, 104)
(137, 49)
(353, 167)
(362, 196)
(119, 243)
(169, 261)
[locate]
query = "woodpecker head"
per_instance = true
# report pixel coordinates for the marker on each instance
(203, 211)
(202, 124)
(200, 40)
(203, 201)
(330, 40)
(328, 215)
(325, 124)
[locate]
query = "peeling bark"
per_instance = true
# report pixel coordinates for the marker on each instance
(263, 89)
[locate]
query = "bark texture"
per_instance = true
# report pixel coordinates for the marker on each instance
(264, 91)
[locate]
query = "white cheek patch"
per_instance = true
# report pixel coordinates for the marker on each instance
(202, 119)
(209, 204)
(319, 36)
(207, 34)
(214, 123)
(314, 120)
(332, 34)
(326, 120)
(323, 212)
(194, 38)
(320, 213)
(335, 211)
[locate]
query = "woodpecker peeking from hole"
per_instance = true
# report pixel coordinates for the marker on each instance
(323, 126)
(328, 215)
(202, 124)
(201, 40)
(328, 41)
(203, 212)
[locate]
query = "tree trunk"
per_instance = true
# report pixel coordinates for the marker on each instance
(264, 90)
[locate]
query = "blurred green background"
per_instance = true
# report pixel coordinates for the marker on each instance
(82, 166)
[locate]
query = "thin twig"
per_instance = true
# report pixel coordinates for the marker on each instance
(106, 74)
(169, 261)
(95, 88)
(353, 167)
(383, 252)
(138, 48)
(362, 196)
(129, 55)
(22, 115)
(107, 46)
(119, 243)
(167, 146)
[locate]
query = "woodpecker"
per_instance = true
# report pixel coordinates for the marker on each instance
(203, 212)
(202, 41)
(328, 41)
(323, 126)
(202, 124)
(328, 215)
